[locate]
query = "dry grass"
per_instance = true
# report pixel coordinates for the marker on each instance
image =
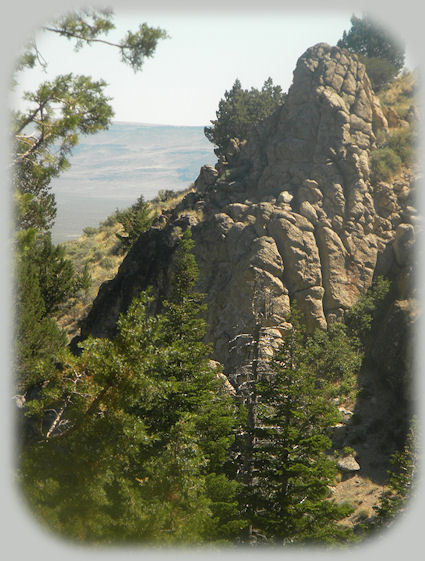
(400, 95)
(361, 493)
(99, 250)
(170, 202)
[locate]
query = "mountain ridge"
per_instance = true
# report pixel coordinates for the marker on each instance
(346, 220)
(288, 215)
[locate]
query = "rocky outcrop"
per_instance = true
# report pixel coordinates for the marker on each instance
(289, 214)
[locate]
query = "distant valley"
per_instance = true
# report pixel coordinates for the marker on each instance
(112, 168)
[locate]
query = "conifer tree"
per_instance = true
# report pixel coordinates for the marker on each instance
(134, 220)
(401, 482)
(240, 111)
(56, 113)
(37, 336)
(45, 279)
(136, 445)
(288, 499)
(376, 48)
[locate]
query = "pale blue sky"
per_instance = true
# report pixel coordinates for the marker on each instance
(183, 83)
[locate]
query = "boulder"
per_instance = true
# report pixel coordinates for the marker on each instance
(206, 178)
(348, 464)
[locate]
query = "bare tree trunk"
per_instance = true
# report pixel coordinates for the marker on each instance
(251, 402)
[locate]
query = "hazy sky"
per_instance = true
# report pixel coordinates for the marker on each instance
(184, 81)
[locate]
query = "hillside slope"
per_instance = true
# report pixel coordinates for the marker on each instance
(100, 252)
(293, 213)
(315, 205)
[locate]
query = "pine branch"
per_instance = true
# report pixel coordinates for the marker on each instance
(70, 35)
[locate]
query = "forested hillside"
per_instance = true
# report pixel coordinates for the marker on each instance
(230, 364)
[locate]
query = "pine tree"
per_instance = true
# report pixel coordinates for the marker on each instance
(381, 53)
(240, 110)
(44, 280)
(401, 480)
(45, 133)
(135, 220)
(136, 446)
(288, 500)
(38, 340)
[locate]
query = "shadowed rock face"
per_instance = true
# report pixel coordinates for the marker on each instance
(290, 213)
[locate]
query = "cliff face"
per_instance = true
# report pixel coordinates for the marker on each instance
(290, 213)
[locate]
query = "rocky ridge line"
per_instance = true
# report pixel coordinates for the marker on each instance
(290, 213)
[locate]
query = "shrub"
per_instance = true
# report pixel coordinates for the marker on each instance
(98, 254)
(363, 514)
(116, 248)
(400, 96)
(359, 318)
(385, 162)
(91, 257)
(135, 220)
(164, 195)
(107, 263)
(394, 150)
(348, 451)
(401, 142)
(109, 221)
(89, 230)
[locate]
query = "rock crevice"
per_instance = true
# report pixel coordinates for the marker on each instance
(289, 213)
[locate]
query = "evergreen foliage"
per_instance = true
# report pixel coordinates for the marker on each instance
(44, 280)
(129, 441)
(401, 484)
(136, 447)
(134, 220)
(359, 318)
(56, 275)
(62, 109)
(241, 110)
(38, 340)
(382, 55)
(336, 356)
(132, 438)
(90, 25)
(46, 133)
(288, 499)
(56, 113)
(401, 481)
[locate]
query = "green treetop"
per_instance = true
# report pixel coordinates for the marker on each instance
(134, 433)
(288, 498)
(240, 110)
(134, 220)
(58, 111)
(381, 53)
